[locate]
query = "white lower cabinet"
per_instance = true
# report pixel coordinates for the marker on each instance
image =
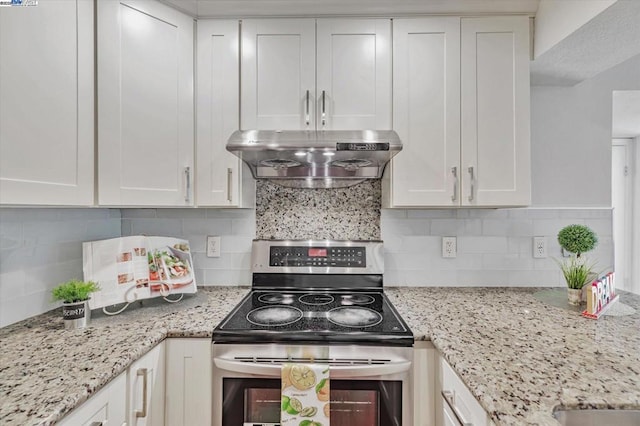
(107, 406)
(455, 405)
(146, 389)
(189, 382)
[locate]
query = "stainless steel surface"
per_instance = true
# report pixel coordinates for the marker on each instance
(376, 363)
(449, 398)
(324, 115)
(229, 180)
(315, 155)
(143, 413)
(306, 113)
(187, 178)
(596, 417)
(454, 172)
(260, 255)
(471, 182)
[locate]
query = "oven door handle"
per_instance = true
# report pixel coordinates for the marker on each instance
(338, 371)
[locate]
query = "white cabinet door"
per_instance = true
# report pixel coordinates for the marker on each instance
(426, 105)
(189, 382)
(278, 74)
(107, 406)
(146, 389)
(354, 74)
(145, 104)
(220, 180)
(46, 103)
(496, 157)
(462, 407)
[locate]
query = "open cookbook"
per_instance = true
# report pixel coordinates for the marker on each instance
(137, 267)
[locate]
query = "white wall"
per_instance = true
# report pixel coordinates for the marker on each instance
(495, 247)
(556, 19)
(571, 139)
(39, 249)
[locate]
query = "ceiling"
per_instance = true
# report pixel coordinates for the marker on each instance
(607, 40)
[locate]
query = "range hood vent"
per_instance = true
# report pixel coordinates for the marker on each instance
(315, 158)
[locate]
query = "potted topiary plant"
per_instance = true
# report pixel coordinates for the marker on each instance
(577, 270)
(74, 295)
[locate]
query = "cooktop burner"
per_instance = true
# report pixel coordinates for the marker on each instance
(354, 317)
(356, 299)
(276, 298)
(274, 315)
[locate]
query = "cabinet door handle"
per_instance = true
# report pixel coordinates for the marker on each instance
(324, 115)
(229, 183)
(96, 424)
(143, 372)
(449, 399)
(187, 180)
(471, 181)
(306, 116)
(454, 172)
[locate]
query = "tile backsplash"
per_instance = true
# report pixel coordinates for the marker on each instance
(41, 247)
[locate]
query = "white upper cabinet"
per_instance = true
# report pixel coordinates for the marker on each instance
(426, 104)
(145, 104)
(46, 104)
(353, 74)
(297, 78)
(220, 180)
(496, 158)
(461, 109)
(278, 74)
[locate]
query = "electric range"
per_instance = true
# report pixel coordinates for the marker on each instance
(316, 292)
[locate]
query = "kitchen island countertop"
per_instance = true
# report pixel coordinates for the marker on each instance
(518, 356)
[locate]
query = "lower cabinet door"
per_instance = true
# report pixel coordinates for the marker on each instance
(146, 386)
(188, 382)
(107, 407)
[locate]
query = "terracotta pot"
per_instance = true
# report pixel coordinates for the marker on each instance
(76, 315)
(574, 295)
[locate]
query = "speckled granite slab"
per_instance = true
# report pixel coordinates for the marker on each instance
(46, 371)
(351, 213)
(518, 356)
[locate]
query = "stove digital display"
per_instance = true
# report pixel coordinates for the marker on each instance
(317, 252)
(341, 257)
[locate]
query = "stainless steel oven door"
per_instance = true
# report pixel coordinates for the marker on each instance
(370, 386)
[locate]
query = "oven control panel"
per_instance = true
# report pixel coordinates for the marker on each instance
(341, 257)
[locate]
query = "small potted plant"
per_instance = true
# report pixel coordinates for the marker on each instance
(577, 271)
(74, 295)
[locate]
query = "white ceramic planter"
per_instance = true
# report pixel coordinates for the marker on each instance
(574, 295)
(76, 315)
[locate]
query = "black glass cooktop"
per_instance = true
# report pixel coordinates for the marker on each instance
(275, 316)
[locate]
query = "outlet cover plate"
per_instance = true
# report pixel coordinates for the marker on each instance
(539, 247)
(213, 246)
(449, 247)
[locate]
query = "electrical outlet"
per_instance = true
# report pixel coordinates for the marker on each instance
(213, 246)
(449, 247)
(539, 247)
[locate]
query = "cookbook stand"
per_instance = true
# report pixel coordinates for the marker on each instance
(164, 293)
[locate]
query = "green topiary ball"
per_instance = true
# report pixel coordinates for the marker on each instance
(577, 239)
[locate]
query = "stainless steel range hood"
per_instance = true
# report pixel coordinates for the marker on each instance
(315, 158)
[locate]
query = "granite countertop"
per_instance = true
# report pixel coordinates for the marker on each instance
(518, 356)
